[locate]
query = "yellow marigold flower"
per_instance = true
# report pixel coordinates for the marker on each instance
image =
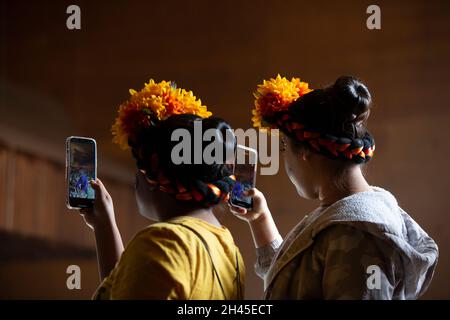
(155, 102)
(275, 95)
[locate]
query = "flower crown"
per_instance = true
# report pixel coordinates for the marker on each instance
(146, 108)
(156, 102)
(272, 101)
(273, 96)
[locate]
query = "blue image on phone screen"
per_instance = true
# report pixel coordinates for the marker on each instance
(244, 181)
(82, 170)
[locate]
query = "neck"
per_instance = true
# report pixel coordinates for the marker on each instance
(205, 214)
(353, 182)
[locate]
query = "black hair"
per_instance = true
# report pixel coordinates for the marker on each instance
(332, 121)
(157, 140)
(341, 109)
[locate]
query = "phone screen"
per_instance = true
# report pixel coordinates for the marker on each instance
(245, 173)
(81, 155)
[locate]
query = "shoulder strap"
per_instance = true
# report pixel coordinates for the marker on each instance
(209, 253)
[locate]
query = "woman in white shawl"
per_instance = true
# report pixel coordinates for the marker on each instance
(359, 244)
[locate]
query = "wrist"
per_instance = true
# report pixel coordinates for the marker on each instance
(261, 218)
(264, 230)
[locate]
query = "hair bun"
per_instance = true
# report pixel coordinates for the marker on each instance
(351, 98)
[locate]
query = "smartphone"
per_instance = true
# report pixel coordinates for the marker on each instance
(81, 167)
(245, 172)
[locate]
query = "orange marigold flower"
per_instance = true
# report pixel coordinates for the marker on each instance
(154, 103)
(275, 95)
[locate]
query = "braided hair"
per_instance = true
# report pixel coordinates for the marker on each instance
(332, 121)
(205, 184)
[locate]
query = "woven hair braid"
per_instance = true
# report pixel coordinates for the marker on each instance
(206, 184)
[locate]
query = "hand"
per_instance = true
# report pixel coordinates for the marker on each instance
(102, 213)
(259, 211)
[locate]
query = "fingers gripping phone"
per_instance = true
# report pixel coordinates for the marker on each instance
(245, 172)
(81, 167)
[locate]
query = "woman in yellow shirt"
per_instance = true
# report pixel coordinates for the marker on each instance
(188, 254)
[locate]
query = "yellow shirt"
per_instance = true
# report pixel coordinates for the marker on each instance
(169, 261)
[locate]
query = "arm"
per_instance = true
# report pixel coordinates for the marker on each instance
(107, 236)
(265, 233)
(109, 247)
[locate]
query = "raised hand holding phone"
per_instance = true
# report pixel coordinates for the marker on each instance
(102, 214)
(248, 203)
(86, 192)
(259, 218)
(258, 210)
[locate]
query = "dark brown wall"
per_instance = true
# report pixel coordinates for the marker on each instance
(221, 50)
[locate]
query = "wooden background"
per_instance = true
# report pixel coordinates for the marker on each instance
(55, 82)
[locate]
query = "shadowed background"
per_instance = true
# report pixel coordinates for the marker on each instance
(55, 82)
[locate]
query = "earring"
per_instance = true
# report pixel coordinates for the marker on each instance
(153, 183)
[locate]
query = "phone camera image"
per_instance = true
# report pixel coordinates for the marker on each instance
(244, 181)
(245, 173)
(81, 170)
